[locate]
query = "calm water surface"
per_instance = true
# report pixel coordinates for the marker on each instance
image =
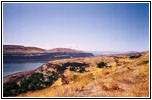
(13, 67)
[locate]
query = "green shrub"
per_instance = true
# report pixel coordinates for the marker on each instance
(19, 91)
(6, 93)
(9, 87)
(101, 65)
(24, 84)
(72, 68)
(47, 83)
(80, 69)
(135, 56)
(144, 62)
(52, 77)
(33, 82)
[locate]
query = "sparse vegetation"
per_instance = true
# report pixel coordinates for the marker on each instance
(34, 82)
(80, 69)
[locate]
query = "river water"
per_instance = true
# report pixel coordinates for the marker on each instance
(13, 67)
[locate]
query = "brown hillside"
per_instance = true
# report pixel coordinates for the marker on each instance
(21, 49)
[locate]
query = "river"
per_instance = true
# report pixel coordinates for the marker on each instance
(13, 67)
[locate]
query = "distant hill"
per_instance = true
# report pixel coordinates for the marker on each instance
(64, 50)
(21, 49)
(22, 53)
(102, 53)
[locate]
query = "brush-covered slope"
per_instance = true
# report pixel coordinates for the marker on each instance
(22, 53)
(121, 76)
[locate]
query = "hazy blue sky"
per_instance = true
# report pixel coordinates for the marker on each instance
(92, 26)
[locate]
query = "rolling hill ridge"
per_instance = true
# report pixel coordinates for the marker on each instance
(22, 53)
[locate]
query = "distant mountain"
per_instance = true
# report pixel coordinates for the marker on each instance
(22, 53)
(102, 53)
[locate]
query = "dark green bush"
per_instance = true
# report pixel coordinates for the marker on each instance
(53, 77)
(80, 69)
(24, 84)
(144, 62)
(47, 83)
(19, 91)
(101, 65)
(135, 56)
(9, 87)
(72, 68)
(6, 93)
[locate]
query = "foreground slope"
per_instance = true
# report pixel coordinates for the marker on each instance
(126, 77)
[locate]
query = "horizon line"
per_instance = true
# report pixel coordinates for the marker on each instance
(77, 49)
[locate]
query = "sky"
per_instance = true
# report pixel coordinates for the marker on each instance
(82, 26)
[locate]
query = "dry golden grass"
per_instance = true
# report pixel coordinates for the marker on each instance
(127, 83)
(109, 86)
(70, 90)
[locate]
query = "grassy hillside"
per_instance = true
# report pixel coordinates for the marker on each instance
(121, 76)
